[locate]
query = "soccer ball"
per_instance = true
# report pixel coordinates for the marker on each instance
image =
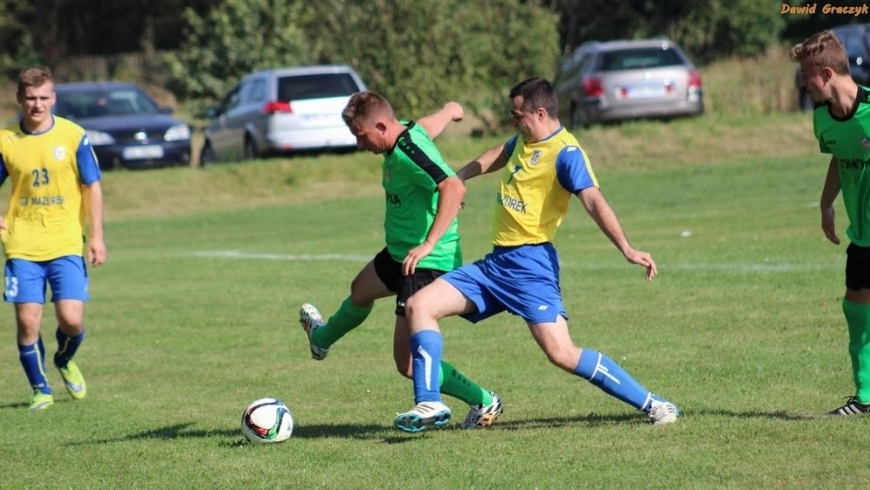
(267, 420)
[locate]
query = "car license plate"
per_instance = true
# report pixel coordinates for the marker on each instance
(143, 152)
(642, 91)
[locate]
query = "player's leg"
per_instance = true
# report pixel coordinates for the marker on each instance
(485, 406)
(600, 370)
(856, 308)
(68, 279)
(25, 288)
(365, 288)
(537, 298)
(435, 301)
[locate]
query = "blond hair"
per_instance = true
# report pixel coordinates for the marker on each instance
(35, 76)
(365, 106)
(823, 49)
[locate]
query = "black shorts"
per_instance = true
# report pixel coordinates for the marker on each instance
(390, 273)
(857, 267)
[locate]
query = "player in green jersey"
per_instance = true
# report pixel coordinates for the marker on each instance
(841, 123)
(423, 198)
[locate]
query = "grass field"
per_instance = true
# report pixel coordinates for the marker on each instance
(194, 316)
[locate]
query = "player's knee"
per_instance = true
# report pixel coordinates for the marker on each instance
(417, 307)
(565, 359)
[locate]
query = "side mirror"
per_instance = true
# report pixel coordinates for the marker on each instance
(166, 110)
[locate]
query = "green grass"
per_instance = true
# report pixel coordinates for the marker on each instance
(742, 329)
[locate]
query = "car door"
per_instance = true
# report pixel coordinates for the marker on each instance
(252, 118)
(221, 134)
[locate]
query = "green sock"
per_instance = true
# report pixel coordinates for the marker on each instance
(858, 319)
(348, 317)
(455, 384)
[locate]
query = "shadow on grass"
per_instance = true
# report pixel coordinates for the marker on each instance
(389, 435)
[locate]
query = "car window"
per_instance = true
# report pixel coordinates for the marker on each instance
(640, 58)
(85, 103)
(258, 91)
(232, 100)
(301, 87)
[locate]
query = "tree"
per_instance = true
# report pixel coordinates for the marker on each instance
(419, 54)
(234, 38)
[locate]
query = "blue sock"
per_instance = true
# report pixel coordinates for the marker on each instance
(601, 371)
(426, 348)
(66, 347)
(34, 366)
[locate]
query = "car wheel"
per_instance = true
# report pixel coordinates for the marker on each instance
(805, 101)
(578, 118)
(207, 156)
(251, 152)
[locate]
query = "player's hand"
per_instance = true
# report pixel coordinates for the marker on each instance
(455, 110)
(2, 223)
(96, 251)
(415, 255)
(828, 225)
(643, 259)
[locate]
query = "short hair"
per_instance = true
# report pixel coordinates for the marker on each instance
(822, 49)
(537, 93)
(35, 76)
(365, 106)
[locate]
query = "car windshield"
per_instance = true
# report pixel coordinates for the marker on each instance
(640, 58)
(301, 87)
(82, 104)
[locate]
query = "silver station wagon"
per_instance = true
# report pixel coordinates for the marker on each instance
(620, 80)
(282, 111)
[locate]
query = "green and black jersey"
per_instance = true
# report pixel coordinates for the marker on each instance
(412, 170)
(848, 139)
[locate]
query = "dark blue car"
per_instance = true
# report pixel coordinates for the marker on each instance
(125, 126)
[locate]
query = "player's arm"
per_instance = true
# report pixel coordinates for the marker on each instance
(575, 175)
(829, 195)
(603, 215)
(92, 194)
(435, 123)
(490, 161)
(451, 191)
(3, 174)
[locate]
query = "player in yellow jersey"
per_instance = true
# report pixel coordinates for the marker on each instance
(543, 167)
(55, 191)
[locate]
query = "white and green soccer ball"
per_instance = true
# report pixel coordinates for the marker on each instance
(267, 420)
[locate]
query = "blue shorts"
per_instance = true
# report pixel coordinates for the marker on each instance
(522, 280)
(25, 280)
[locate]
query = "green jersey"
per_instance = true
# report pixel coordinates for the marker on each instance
(848, 139)
(412, 170)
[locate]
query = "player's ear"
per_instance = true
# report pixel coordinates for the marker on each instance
(381, 127)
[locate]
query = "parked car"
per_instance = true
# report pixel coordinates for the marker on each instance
(856, 40)
(282, 111)
(619, 80)
(125, 126)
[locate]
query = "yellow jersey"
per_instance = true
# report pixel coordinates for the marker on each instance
(47, 214)
(536, 186)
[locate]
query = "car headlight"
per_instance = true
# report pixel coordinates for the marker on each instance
(177, 132)
(99, 138)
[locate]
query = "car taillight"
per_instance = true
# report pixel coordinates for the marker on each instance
(694, 79)
(276, 106)
(592, 87)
